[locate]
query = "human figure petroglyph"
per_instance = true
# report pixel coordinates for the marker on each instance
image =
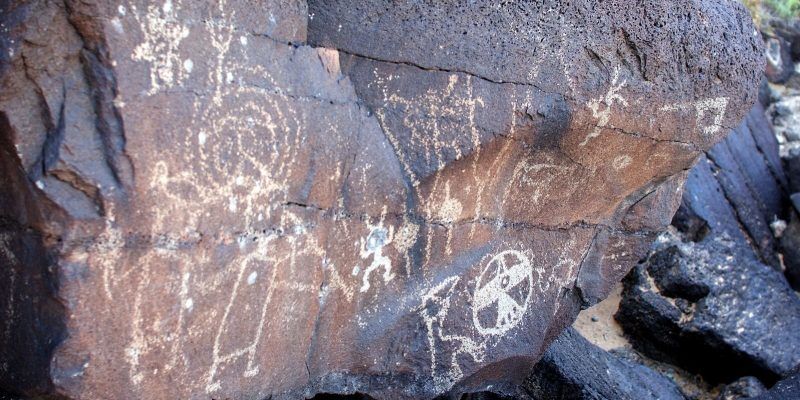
(434, 308)
(163, 34)
(424, 116)
(372, 246)
(218, 359)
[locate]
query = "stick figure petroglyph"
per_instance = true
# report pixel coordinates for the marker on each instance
(373, 246)
(502, 293)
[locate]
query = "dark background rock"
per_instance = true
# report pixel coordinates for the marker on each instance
(790, 241)
(786, 389)
(573, 368)
(742, 325)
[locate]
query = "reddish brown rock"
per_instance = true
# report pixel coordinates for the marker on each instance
(221, 200)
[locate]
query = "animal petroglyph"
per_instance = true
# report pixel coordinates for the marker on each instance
(436, 304)
(601, 107)
(502, 293)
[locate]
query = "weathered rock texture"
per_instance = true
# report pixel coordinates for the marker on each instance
(712, 297)
(573, 368)
(198, 203)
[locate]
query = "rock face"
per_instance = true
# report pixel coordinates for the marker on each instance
(787, 388)
(712, 310)
(790, 241)
(573, 368)
(273, 198)
(712, 298)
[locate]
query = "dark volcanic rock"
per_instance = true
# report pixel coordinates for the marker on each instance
(573, 368)
(740, 188)
(786, 389)
(779, 59)
(791, 163)
(712, 308)
(742, 388)
(197, 203)
(790, 241)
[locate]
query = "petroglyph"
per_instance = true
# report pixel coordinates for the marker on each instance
(281, 187)
(163, 32)
(715, 107)
(372, 246)
(436, 304)
(260, 257)
(502, 293)
(426, 116)
(601, 107)
(620, 162)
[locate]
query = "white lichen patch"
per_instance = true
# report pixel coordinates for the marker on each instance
(621, 162)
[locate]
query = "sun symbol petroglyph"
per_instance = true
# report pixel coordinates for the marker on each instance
(601, 107)
(502, 293)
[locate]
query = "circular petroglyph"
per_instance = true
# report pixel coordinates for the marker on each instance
(502, 293)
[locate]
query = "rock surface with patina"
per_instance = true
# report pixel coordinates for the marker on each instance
(245, 199)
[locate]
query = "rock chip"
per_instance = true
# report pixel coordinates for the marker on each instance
(254, 199)
(742, 388)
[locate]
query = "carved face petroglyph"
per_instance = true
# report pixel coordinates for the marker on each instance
(502, 292)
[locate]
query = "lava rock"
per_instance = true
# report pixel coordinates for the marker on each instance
(276, 198)
(712, 308)
(790, 241)
(779, 59)
(787, 388)
(791, 162)
(742, 388)
(573, 368)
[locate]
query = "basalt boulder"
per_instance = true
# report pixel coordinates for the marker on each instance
(712, 309)
(573, 368)
(251, 199)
